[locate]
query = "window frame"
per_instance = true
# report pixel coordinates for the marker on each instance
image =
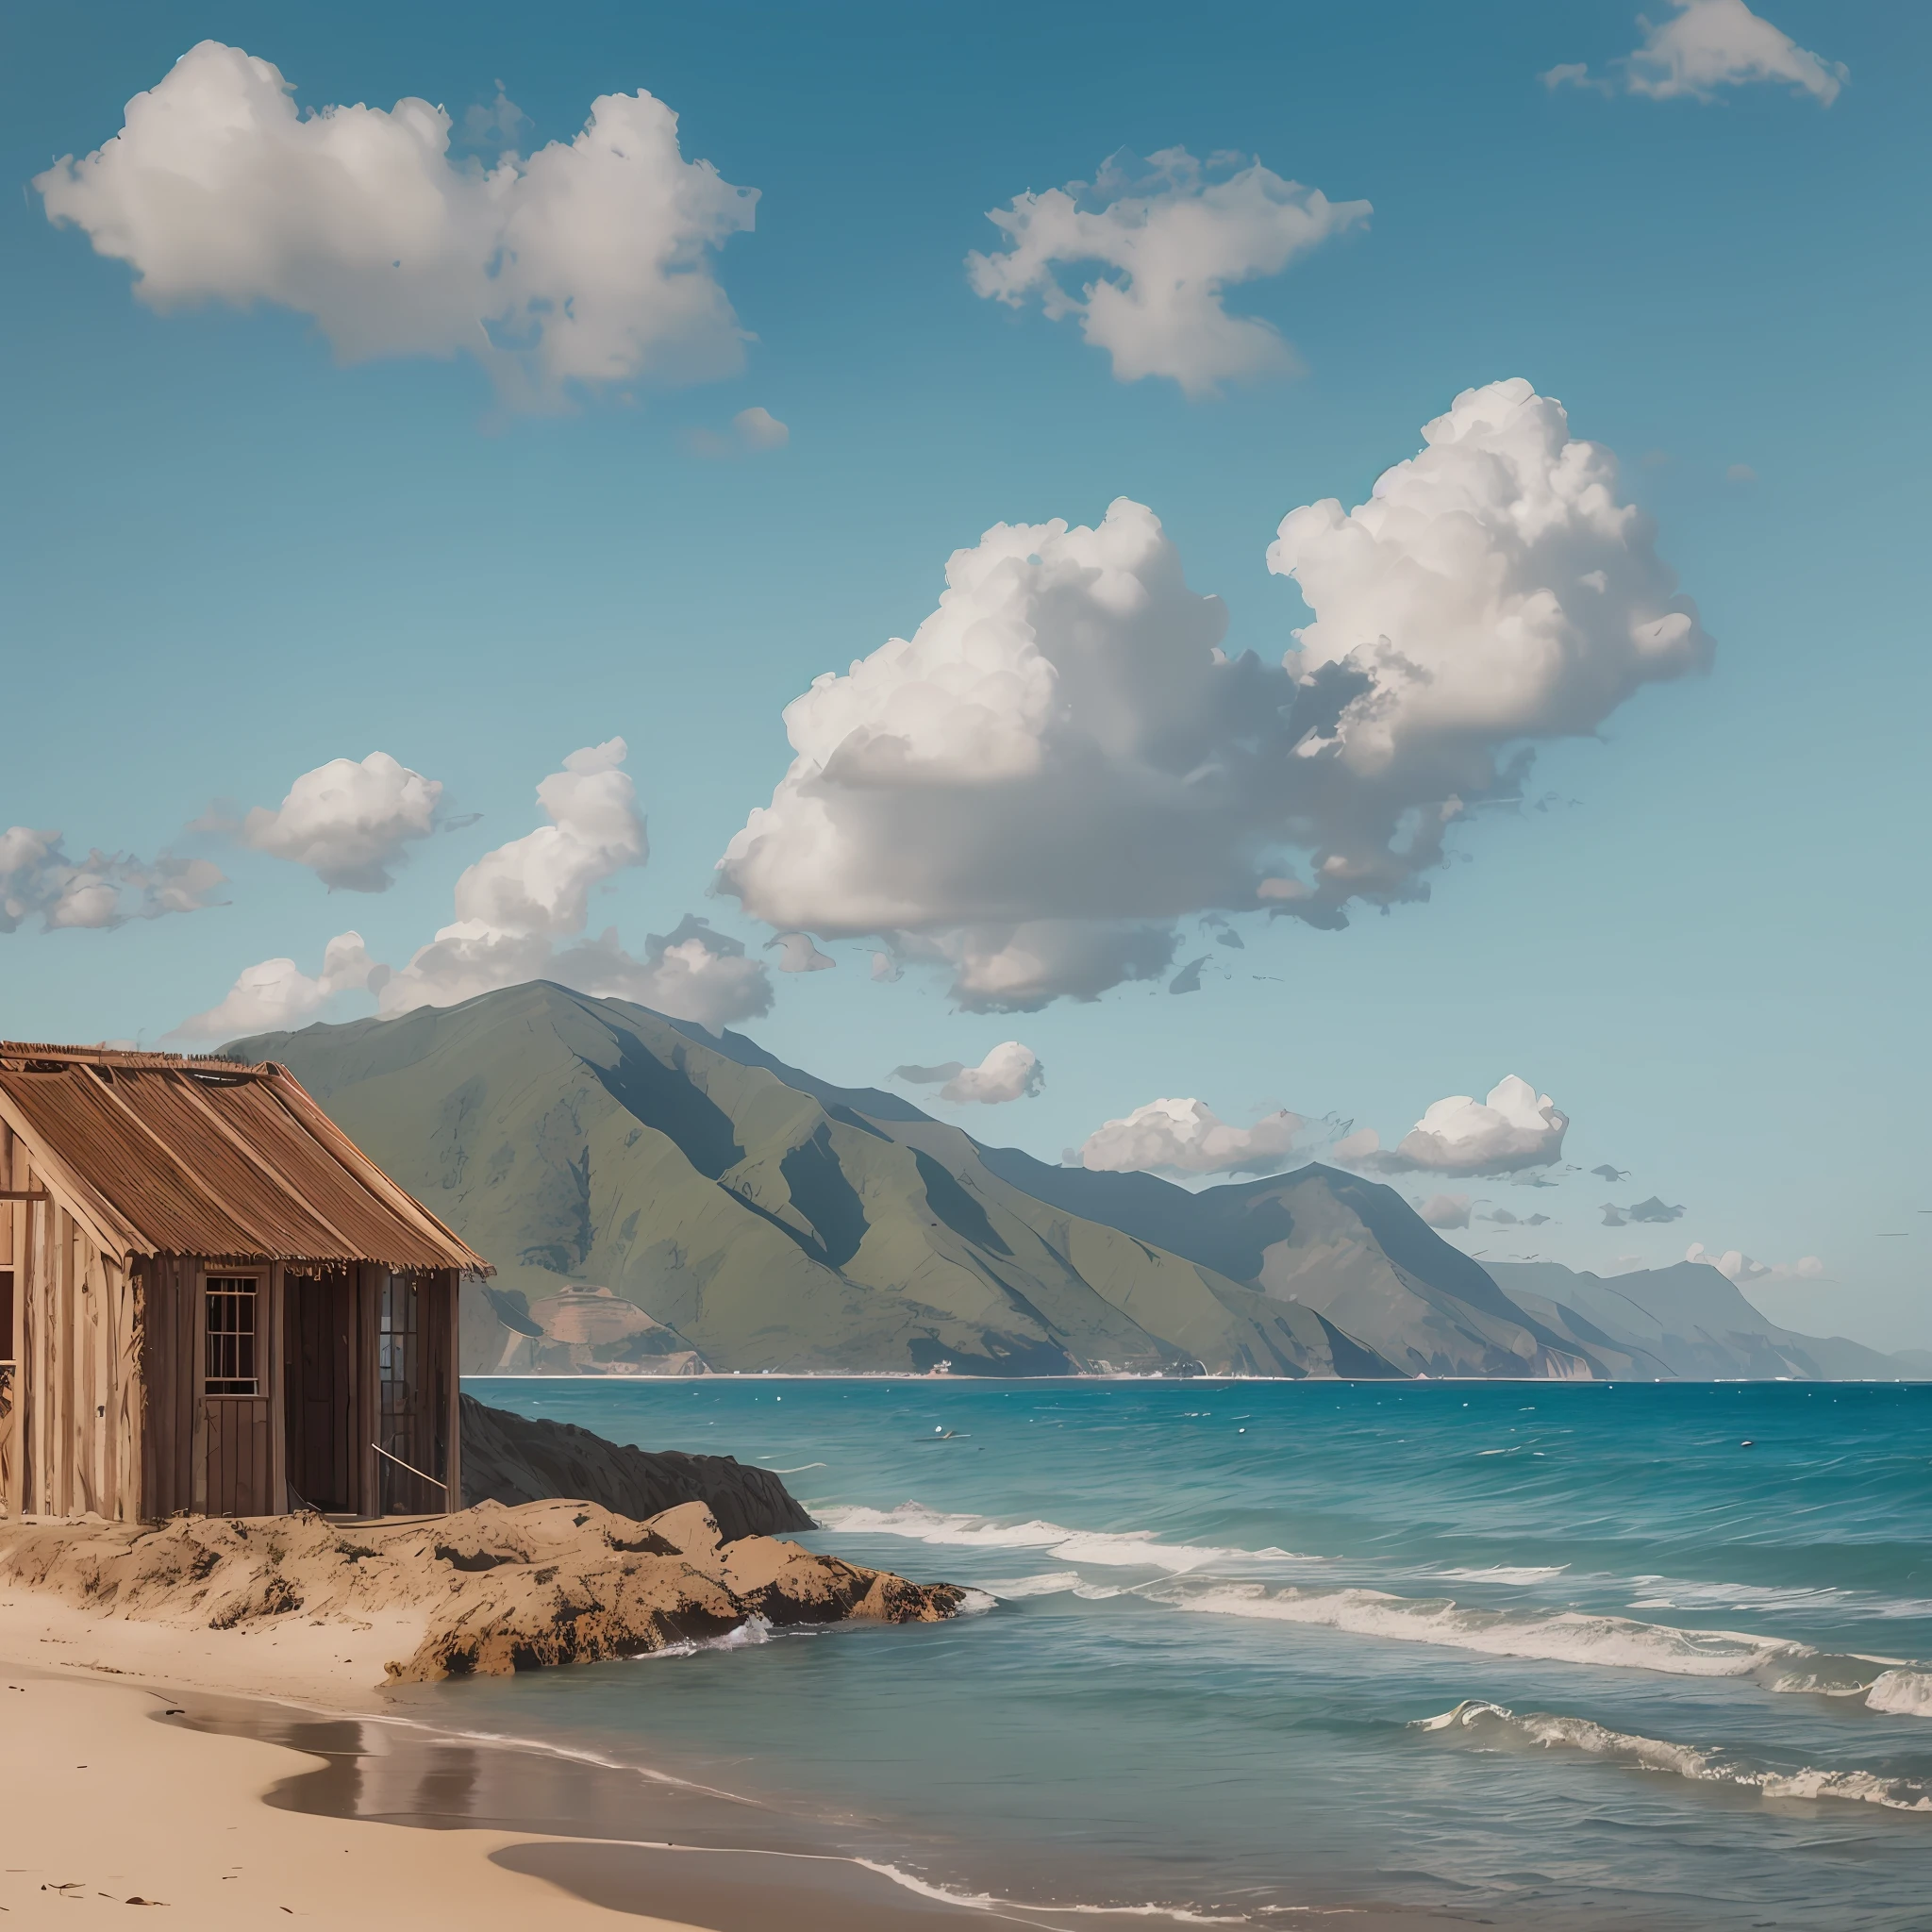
(247, 1344)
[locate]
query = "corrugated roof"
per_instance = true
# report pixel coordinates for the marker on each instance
(167, 1154)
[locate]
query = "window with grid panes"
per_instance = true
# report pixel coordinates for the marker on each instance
(232, 1304)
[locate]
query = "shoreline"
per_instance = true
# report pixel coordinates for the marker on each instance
(337, 1803)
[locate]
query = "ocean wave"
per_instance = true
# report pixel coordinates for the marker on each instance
(1117, 1549)
(1506, 1572)
(1773, 1599)
(1052, 1583)
(991, 1901)
(1577, 1637)
(1557, 1636)
(1901, 1694)
(1704, 1766)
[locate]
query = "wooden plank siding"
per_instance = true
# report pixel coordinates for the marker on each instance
(12, 1225)
(104, 1405)
(235, 1433)
(129, 1180)
(71, 1442)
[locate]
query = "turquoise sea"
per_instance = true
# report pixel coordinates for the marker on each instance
(1545, 1653)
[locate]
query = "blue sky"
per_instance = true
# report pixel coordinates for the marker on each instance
(232, 557)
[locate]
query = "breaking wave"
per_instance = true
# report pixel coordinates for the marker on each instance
(1557, 1636)
(1662, 1594)
(1497, 1725)
(1578, 1637)
(1506, 1572)
(1901, 1694)
(1120, 1549)
(1052, 1583)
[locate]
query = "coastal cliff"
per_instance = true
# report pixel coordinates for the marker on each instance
(487, 1591)
(512, 1458)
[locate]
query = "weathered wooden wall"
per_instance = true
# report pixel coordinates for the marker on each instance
(76, 1421)
(236, 1454)
(9, 1341)
(103, 1409)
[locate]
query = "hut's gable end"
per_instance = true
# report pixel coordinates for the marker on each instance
(70, 1436)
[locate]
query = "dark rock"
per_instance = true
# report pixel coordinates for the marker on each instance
(512, 1458)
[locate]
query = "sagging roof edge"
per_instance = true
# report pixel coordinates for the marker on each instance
(117, 1237)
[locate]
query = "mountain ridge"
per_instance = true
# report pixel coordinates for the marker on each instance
(752, 1216)
(595, 1142)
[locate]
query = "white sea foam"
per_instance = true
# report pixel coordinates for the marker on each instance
(1901, 1694)
(741, 1637)
(1562, 1637)
(1048, 1583)
(1551, 1636)
(1136, 1549)
(1773, 1599)
(1681, 1761)
(1506, 1572)
(1053, 1582)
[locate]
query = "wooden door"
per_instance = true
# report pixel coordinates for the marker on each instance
(320, 1386)
(237, 1460)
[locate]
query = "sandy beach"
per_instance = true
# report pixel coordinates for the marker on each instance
(128, 1778)
(142, 1767)
(107, 1809)
(233, 1779)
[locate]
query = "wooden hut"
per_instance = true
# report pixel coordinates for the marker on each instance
(212, 1299)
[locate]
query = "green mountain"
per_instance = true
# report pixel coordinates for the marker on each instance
(1353, 1250)
(657, 1200)
(1693, 1322)
(760, 1218)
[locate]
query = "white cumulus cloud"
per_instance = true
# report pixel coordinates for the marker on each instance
(759, 427)
(1186, 1137)
(522, 914)
(1516, 1127)
(521, 911)
(1446, 1210)
(39, 881)
(799, 955)
(349, 823)
(276, 994)
(1062, 761)
(1009, 1071)
(1739, 1267)
(691, 972)
(1166, 241)
(752, 429)
(516, 902)
(1704, 46)
(587, 261)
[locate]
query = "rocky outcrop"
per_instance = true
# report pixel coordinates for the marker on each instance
(497, 1590)
(513, 1459)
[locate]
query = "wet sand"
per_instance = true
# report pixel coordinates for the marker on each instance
(649, 1848)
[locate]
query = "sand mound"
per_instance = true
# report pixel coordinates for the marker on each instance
(502, 1589)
